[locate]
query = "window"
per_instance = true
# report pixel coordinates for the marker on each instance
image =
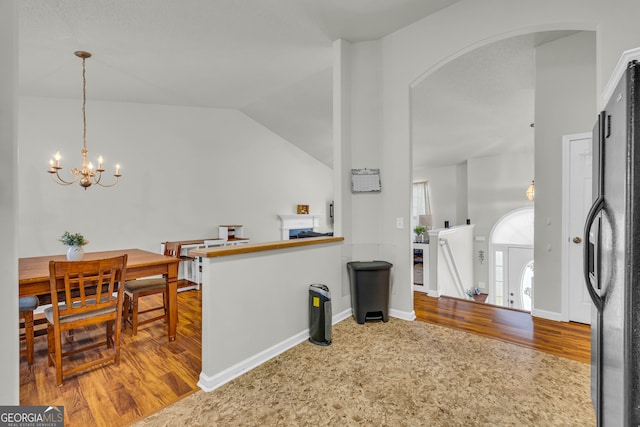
(421, 203)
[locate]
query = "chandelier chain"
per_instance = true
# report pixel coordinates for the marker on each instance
(84, 106)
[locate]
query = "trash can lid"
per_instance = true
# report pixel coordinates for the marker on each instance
(369, 265)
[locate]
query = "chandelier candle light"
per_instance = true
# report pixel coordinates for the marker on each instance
(85, 176)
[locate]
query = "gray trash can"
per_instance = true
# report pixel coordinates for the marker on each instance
(369, 289)
(319, 314)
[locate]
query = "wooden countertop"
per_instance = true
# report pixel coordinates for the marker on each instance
(219, 251)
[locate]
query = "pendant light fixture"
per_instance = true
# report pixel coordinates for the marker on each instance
(86, 176)
(530, 193)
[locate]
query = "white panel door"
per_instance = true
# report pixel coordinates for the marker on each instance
(579, 201)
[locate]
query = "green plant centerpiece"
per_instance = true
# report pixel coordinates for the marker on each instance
(75, 242)
(419, 230)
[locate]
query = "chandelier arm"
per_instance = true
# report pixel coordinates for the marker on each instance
(107, 185)
(58, 179)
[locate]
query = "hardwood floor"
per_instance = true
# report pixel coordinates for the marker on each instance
(154, 373)
(566, 339)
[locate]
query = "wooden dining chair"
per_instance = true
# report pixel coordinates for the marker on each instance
(174, 249)
(26, 306)
(85, 293)
(136, 289)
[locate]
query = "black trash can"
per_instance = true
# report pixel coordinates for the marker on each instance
(319, 314)
(369, 289)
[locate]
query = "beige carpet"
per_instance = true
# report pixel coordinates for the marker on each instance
(397, 374)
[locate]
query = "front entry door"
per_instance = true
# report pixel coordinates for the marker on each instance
(520, 278)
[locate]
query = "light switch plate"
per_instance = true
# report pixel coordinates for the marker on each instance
(399, 223)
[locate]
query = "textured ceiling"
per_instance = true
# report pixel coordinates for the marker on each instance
(480, 104)
(271, 59)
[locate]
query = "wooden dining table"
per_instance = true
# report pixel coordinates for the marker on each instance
(34, 275)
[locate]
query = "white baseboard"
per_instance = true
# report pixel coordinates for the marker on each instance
(434, 293)
(550, 315)
(403, 315)
(210, 383)
(341, 316)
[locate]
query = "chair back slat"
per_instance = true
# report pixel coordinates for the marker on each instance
(172, 249)
(84, 286)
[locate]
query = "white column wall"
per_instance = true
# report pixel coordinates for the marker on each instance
(366, 142)
(370, 237)
(343, 207)
(9, 372)
(565, 104)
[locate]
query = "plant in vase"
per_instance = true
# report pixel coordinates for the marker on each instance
(419, 230)
(75, 243)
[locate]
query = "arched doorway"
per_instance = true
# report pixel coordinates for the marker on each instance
(511, 267)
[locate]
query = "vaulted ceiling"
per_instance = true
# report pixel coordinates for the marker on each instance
(270, 59)
(480, 104)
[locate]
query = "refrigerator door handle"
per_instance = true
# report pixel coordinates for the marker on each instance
(596, 208)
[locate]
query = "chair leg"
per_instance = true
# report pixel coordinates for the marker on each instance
(164, 305)
(50, 344)
(54, 336)
(126, 311)
(116, 344)
(109, 337)
(28, 332)
(134, 315)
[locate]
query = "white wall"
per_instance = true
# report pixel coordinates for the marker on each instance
(415, 51)
(9, 390)
(565, 104)
(250, 317)
(185, 171)
(496, 186)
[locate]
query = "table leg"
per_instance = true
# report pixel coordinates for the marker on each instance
(172, 295)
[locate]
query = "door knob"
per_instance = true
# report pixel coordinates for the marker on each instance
(577, 240)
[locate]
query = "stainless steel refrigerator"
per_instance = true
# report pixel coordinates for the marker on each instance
(612, 257)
